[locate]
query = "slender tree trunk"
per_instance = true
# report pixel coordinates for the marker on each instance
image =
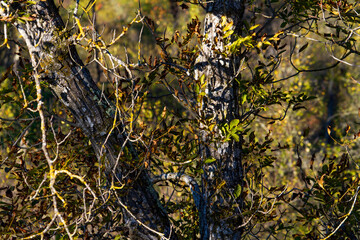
(220, 105)
(56, 60)
(174, 9)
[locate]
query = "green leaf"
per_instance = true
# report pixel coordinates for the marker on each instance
(237, 191)
(251, 137)
(209, 160)
(197, 89)
(243, 99)
(283, 24)
(303, 47)
(236, 137)
(234, 123)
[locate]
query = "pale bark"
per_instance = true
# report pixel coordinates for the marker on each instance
(220, 104)
(55, 58)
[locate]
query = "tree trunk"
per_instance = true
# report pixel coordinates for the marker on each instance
(56, 59)
(220, 105)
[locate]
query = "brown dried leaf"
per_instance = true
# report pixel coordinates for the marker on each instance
(312, 161)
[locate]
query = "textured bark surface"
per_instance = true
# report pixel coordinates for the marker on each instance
(56, 61)
(220, 104)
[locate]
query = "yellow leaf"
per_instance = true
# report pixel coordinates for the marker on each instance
(163, 114)
(211, 126)
(202, 79)
(321, 182)
(228, 33)
(228, 26)
(253, 27)
(347, 129)
(223, 20)
(221, 184)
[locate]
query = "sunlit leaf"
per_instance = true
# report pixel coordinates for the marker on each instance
(329, 130)
(236, 137)
(228, 33)
(254, 27)
(209, 160)
(228, 26)
(234, 123)
(347, 129)
(221, 184)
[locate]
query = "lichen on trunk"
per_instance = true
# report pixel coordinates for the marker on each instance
(219, 105)
(55, 59)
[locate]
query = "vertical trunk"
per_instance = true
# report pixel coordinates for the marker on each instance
(220, 103)
(174, 9)
(332, 99)
(54, 56)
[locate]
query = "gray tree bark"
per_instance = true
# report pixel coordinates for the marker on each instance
(55, 58)
(220, 104)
